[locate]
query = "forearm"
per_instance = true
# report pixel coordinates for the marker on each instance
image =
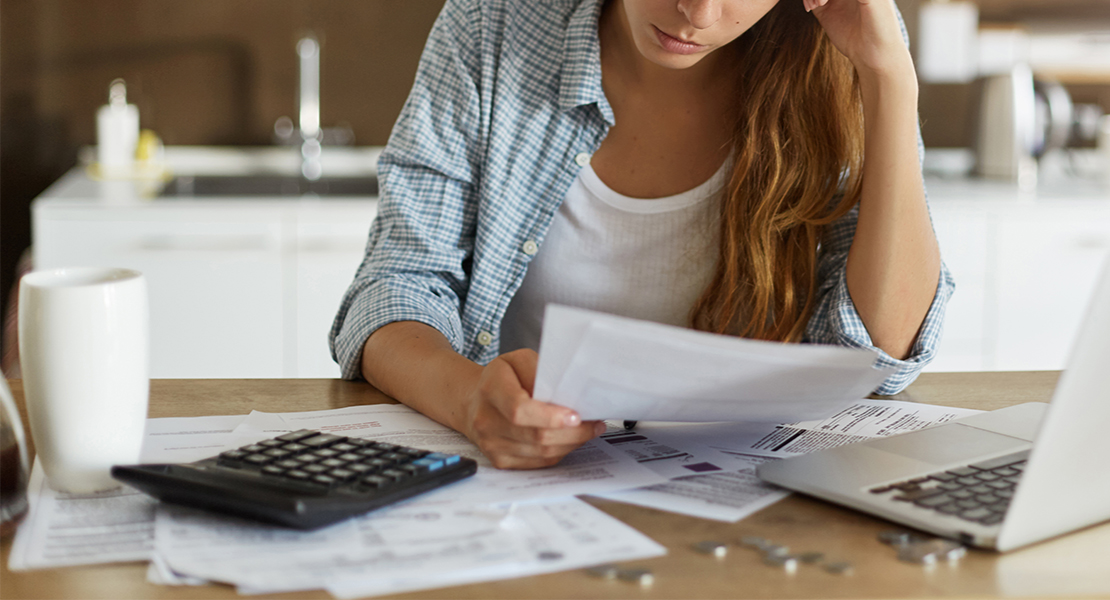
(415, 364)
(894, 263)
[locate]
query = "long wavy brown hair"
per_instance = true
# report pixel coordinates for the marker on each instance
(798, 151)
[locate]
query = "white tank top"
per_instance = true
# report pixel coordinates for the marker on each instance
(642, 258)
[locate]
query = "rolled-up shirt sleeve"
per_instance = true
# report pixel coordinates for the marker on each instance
(421, 241)
(836, 321)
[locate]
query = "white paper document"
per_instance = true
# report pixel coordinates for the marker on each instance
(734, 491)
(116, 525)
(609, 367)
(593, 468)
(416, 545)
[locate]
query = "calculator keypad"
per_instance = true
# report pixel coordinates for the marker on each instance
(332, 460)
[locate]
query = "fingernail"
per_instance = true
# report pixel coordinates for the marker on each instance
(572, 420)
(599, 428)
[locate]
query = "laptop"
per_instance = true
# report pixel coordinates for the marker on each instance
(1001, 479)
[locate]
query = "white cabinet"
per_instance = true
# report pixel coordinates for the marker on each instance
(239, 288)
(1024, 274)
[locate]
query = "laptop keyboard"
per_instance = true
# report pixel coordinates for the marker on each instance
(979, 492)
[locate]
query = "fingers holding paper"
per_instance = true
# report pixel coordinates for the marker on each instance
(516, 431)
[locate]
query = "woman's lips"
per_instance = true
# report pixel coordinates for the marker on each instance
(675, 45)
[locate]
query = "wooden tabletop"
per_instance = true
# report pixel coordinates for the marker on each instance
(1069, 566)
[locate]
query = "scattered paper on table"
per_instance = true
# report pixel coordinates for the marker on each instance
(732, 493)
(594, 468)
(116, 525)
(609, 367)
(419, 544)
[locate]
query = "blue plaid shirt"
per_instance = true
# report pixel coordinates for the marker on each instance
(506, 107)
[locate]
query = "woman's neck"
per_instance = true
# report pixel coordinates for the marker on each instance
(623, 65)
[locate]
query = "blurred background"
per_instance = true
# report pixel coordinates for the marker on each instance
(223, 72)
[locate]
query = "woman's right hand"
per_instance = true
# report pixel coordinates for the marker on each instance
(514, 430)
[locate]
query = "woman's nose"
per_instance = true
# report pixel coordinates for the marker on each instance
(700, 13)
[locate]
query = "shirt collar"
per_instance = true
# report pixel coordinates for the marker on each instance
(580, 78)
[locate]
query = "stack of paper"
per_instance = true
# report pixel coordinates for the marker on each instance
(609, 367)
(447, 537)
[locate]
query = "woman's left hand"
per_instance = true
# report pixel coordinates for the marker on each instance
(867, 32)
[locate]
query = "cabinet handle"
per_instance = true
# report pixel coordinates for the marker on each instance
(208, 243)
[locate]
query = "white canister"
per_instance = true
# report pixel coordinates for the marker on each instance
(117, 132)
(84, 352)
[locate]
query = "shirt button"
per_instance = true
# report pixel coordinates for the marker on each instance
(582, 159)
(530, 248)
(485, 338)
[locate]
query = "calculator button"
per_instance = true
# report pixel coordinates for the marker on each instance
(308, 458)
(324, 439)
(376, 481)
(428, 464)
(272, 470)
(294, 447)
(297, 436)
(333, 462)
(369, 452)
(233, 455)
(342, 474)
(288, 464)
(277, 453)
(344, 447)
(413, 452)
(394, 474)
(297, 474)
(271, 443)
(385, 447)
(316, 469)
(379, 463)
(253, 448)
(348, 456)
(448, 459)
(258, 459)
(358, 443)
(326, 453)
(325, 479)
(396, 457)
(361, 468)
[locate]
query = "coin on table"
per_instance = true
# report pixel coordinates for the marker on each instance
(643, 577)
(754, 542)
(895, 537)
(930, 551)
(776, 550)
(604, 571)
(785, 562)
(718, 549)
(840, 568)
(811, 558)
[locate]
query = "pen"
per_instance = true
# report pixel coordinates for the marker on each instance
(629, 425)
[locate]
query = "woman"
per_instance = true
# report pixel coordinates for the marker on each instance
(690, 161)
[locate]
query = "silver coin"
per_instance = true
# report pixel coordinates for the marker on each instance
(717, 549)
(604, 571)
(776, 550)
(840, 568)
(810, 558)
(898, 538)
(754, 542)
(643, 577)
(930, 551)
(785, 562)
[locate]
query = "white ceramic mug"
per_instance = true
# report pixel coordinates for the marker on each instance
(84, 351)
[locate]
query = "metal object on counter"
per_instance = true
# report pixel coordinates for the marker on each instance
(718, 549)
(644, 577)
(606, 571)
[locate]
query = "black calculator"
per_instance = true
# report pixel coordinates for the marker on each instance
(304, 479)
